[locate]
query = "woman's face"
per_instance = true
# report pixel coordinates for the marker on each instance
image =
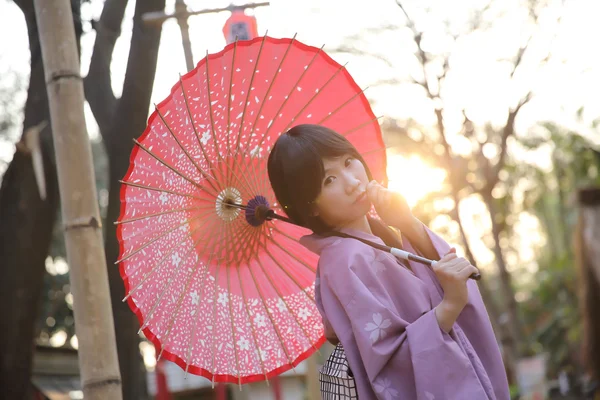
(343, 199)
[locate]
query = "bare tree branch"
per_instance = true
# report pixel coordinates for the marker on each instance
(507, 131)
(409, 21)
(97, 83)
(478, 17)
(519, 56)
(346, 49)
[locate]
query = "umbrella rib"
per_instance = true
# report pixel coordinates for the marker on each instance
(132, 291)
(265, 99)
(214, 319)
(181, 296)
(292, 90)
(341, 106)
(291, 238)
(306, 336)
(158, 214)
(361, 126)
(237, 240)
(288, 273)
(292, 278)
(154, 240)
(187, 107)
(244, 301)
(252, 237)
(163, 162)
(215, 307)
(169, 281)
(212, 124)
(368, 153)
(227, 132)
(263, 178)
(314, 96)
(165, 342)
(273, 81)
(231, 318)
(241, 130)
(153, 188)
(202, 287)
(231, 171)
(202, 172)
(210, 113)
(275, 328)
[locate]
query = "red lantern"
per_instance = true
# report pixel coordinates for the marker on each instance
(241, 26)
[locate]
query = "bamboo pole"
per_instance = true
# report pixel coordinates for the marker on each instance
(182, 21)
(100, 376)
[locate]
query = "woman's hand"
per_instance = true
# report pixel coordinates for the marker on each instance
(390, 206)
(453, 272)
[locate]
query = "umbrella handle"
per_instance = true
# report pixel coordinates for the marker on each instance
(405, 255)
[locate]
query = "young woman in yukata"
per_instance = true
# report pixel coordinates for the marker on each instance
(408, 331)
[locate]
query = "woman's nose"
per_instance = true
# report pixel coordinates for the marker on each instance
(353, 184)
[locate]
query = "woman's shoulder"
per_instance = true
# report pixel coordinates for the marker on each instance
(347, 247)
(345, 252)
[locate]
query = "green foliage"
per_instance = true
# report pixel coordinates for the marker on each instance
(550, 314)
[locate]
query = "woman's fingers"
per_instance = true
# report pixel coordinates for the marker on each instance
(465, 273)
(448, 257)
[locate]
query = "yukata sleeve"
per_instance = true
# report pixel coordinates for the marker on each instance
(396, 348)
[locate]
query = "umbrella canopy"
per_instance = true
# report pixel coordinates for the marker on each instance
(218, 291)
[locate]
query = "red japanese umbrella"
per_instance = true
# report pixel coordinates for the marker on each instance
(220, 285)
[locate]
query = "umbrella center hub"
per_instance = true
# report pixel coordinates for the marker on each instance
(228, 204)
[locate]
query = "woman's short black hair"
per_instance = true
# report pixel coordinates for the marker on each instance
(296, 170)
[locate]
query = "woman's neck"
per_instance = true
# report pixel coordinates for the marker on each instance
(361, 224)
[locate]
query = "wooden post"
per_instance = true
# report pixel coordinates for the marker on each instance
(98, 363)
(313, 387)
(588, 259)
(181, 13)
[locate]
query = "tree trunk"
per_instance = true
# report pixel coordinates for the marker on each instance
(26, 226)
(506, 338)
(129, 122)
(98, 365)
(588, 260)
(513, 322)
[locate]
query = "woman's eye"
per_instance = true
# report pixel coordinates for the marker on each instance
(328, 180)
(348, 161)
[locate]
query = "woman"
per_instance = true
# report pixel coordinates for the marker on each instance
(409, 332)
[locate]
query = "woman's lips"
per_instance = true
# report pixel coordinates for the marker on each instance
(361, 197)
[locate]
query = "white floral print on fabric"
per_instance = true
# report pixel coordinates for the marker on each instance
(195, 297)
(175, 258)
(243, 344)
(377, 327)
(281, 305)
(429, 396)
(384, 388)
(256, 152)
(304, 313)
(377, 260)
(205, 137)
(260, 321)
(223, 299)
(163, 198)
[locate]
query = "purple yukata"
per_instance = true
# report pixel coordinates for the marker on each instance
(383, 315)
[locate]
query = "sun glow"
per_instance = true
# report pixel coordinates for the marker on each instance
(413, 178)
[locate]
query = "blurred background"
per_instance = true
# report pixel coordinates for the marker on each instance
(491, 117)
